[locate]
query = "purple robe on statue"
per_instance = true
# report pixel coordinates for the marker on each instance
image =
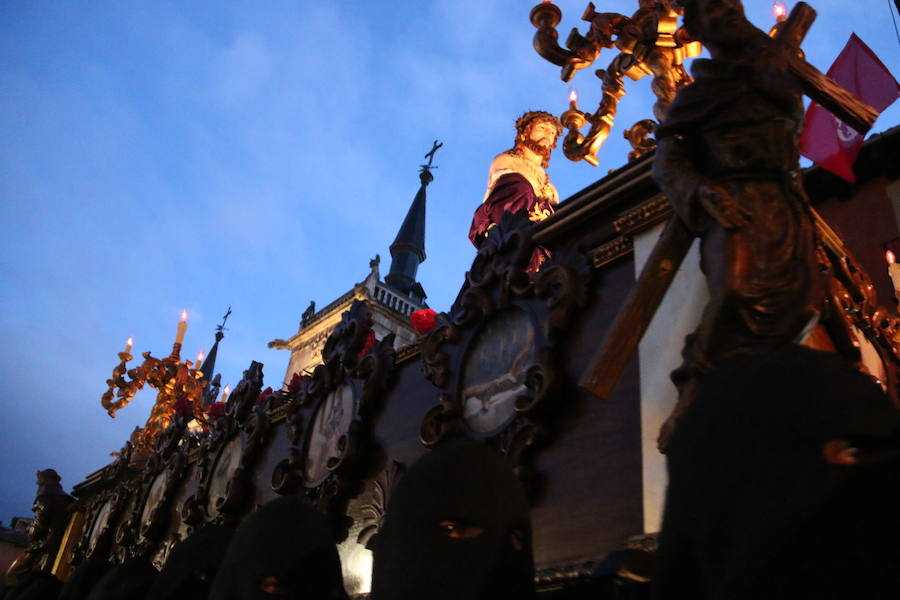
(511, 193)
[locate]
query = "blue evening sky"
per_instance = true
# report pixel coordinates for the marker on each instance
(163, 155)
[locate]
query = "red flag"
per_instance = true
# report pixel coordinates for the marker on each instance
(828, 141)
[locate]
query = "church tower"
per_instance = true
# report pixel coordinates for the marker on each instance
(391, 300)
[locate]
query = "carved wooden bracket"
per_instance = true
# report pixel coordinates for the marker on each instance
(375, 509)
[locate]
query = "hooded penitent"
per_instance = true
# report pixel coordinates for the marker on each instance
(285, 551)
(457, 527)
(192, 565)
(130, 580)
(755, 509)
(84, 577)
(37, 586)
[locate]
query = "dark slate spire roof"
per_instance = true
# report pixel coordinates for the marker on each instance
(209, 363)
(408, 249)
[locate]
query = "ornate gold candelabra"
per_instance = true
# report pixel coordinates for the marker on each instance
(174, 381)
(650, 42)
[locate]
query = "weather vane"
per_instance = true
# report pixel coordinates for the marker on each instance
(425, 172)
(221, 327)
(430, 155)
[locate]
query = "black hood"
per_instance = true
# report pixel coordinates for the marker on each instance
(285, 544)
(457, 527)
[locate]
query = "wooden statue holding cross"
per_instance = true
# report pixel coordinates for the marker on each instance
(728, 161)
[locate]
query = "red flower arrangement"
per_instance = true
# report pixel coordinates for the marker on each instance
(423, 320)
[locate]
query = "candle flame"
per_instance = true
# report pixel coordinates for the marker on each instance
(184, 315)
(890, 257)
(573, 96)
(199, 358)
(779, 10)
(227, 389)
(130, 342)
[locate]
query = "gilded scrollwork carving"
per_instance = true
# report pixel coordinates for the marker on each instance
(639, 138)
(329, 418)
(612, 250)
(643, 215)
(174, 381)
(854, 318)
(495, 362)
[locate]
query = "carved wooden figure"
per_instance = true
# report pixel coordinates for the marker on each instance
(728, 162)
(50, 519)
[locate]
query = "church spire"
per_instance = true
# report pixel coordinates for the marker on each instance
(211, 391)
(408, 249)
(209, 363)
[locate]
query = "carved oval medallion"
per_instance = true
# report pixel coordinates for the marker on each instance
(154, 496)
(100, 523)
(228, 460)
(494, 370)
(324, 446)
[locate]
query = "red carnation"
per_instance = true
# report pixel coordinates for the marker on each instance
(296, 382)
(423, 320)
(370, 341)
(264, 394)
(216, 410)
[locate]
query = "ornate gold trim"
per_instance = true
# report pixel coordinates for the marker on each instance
(644, 215)
(611, 251)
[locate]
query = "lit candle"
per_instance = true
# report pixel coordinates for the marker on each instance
(894, 272)
(199, 360)
(128, 345)
(182, 327)
(225, 394)
(573, 100)
(780, 13)
(779, 10)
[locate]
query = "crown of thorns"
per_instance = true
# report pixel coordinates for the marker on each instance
(532, 116)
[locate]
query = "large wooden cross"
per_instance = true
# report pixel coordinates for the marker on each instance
(621, 340)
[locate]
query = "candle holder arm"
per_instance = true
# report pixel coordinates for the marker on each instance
(581, 52)
(577, 146)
